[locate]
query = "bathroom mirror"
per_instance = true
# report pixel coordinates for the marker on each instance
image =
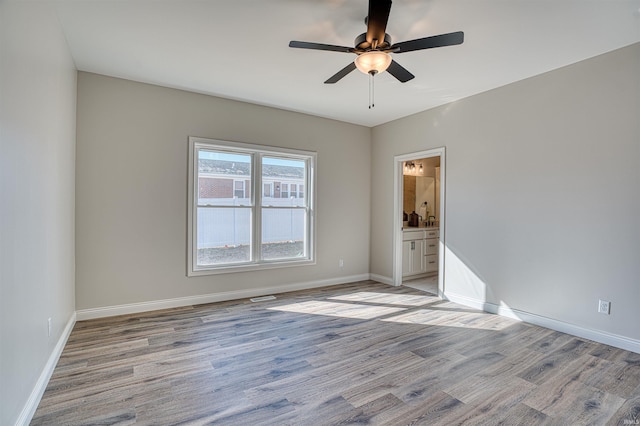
(422, 185)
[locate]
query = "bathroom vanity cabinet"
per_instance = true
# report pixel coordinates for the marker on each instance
(419, 251)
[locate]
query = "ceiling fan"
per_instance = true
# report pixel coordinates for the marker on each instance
(374, 46)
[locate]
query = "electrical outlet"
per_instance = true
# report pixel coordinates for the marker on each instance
(49, 327)
(604, 306)
(341, 263)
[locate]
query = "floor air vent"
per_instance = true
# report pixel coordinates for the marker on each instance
(262, 298)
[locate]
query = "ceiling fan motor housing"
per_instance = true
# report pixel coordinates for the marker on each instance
(363, 45)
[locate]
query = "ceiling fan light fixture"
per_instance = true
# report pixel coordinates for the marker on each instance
(373, 62)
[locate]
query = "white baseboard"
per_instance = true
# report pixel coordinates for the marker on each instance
(31, 405)
(133, 308)
(381, 279)
(610, 339)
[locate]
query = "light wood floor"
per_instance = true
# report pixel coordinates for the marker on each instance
(363, 353)
(428, 284)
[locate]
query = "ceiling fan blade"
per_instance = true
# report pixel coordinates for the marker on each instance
(399, 72)
(441, 40)
(319, 46)
(377, 20)
(340, 74)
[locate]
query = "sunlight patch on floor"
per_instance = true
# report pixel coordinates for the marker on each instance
(387, 298)
(446, 305)
(453, 318)
(334, 309)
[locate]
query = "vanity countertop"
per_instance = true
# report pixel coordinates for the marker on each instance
(420, 228)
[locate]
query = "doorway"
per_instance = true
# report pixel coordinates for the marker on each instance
(416, 248)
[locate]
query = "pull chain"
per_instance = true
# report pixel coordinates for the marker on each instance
(371, 90)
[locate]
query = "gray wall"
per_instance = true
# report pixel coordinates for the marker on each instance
(131, 190)
(542, 192)
(37, 163)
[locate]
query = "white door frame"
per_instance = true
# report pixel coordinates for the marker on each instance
(398, 195)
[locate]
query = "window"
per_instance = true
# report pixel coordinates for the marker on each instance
(238, 188)
(268, 190)
(241, 213)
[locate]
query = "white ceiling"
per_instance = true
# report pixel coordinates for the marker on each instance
(238, 49)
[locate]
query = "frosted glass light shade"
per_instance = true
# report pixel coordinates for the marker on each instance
(373, 61)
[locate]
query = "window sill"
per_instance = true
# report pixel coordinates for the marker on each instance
(249, 267)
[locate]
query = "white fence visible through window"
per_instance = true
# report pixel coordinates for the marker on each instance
(230, 227)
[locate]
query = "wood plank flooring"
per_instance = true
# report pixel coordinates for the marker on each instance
(362, 353)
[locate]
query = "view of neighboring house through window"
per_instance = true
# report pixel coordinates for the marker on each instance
(231, 224)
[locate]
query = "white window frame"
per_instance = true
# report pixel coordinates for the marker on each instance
(257, 152)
